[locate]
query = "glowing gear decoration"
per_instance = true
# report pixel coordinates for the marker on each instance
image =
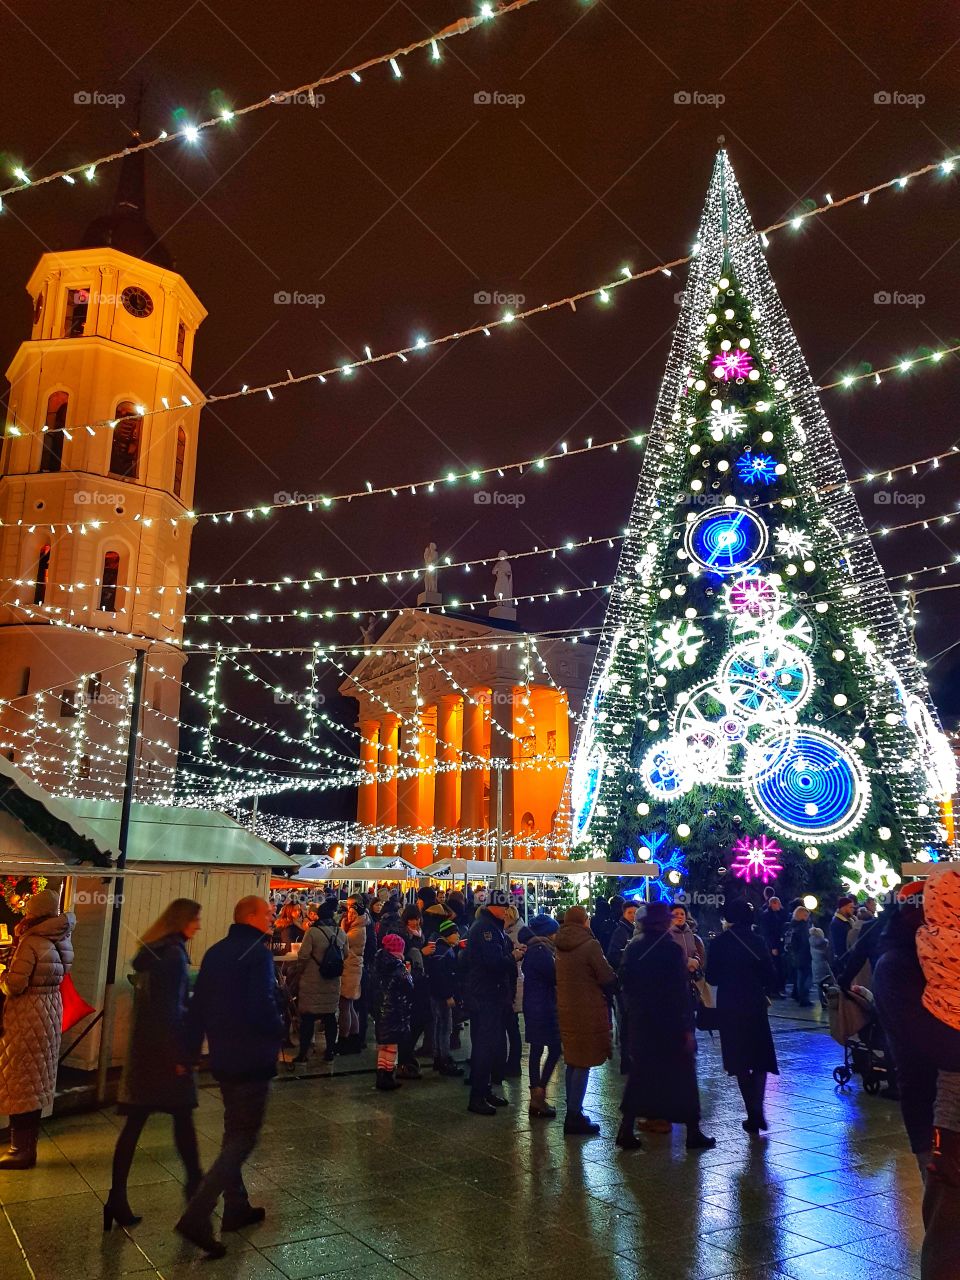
(727, 424)
(792, 543)
(756, 859)
(789, 625)
(939, 762)
(757, 468)
(678, 645)
(777, 667)
(807, 785)
(727, 540)
(874, 880)
(662, 771)
(753, 594)
(732, 364)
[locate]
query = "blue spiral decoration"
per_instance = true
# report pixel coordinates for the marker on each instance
(727, 540)
(808, 785)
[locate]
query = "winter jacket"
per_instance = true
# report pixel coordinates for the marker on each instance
(432, 919)
(393, 998)
(540, 1020)
(655, 983)
(154, 1074)
(618, 941)
(839, 935)
(938, 946)
(33, 1015)
(236, 1006)
(819, 954)
(583, 981)
(317, 994)
(799, 948)
(740, 968)
(689, 944)
(771, 925)
(441, 970)
(489, 968)
(855, 966)
(353, 965)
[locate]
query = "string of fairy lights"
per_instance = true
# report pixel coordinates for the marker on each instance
(191, 131)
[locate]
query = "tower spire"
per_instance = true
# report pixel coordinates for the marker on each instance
(126, 227)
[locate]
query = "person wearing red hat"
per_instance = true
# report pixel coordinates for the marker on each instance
(393, 1005)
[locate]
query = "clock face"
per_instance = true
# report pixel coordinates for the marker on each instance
(137, 301)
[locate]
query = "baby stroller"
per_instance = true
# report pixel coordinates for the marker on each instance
(855, 1025)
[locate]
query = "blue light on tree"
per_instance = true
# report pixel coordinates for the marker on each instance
(671, 866)
(757, 468)
(727, 540)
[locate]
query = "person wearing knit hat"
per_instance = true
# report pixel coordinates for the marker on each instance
(392, 1007)
(662, 1083)
(540, 1023)
(433, 912)
(32, 1023)
(491, 974)
(441, 967)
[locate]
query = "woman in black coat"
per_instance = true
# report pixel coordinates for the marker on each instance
(158, 1075)
(662, 1084)
(740, 967)
(540, 1022)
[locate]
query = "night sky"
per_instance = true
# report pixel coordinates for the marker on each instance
(400, 201)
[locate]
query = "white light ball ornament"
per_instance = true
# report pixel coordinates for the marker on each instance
(810, 902)
(643, 808)
(683, 830)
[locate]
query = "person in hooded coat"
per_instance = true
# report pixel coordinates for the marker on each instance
(662, 1084)
(742, 970)
(354, 925)
(540, 1022)
(32, 1023)
(317, 996)
(158, 1074)
(585, 985)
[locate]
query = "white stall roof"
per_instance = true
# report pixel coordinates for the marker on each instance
(459, 869)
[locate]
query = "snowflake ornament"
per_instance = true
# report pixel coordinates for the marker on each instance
(732, 364)
(874, 880)
(679, 645)
(753, 594)
(792, 543)
(757, 468)
(671, 866)
(726, 424)
(756, 859)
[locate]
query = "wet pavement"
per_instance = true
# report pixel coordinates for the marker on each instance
(386, 1187)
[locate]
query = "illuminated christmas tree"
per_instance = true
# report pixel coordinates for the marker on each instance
(755, 688)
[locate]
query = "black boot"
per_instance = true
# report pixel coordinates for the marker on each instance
(24, 1134)
(387, 1081)
(117, 1210)
(697, 1140)
(201, 1234)
(626, 1139)
(479, 1105)
(580, 1124)
(248, 1215)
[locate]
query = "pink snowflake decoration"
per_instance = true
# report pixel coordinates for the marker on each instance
(753, 595)
(756, 859)
(735, 363)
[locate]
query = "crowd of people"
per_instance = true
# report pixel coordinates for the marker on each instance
(419, 972)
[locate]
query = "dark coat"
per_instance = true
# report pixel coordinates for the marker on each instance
(739, 966)
(840, 928)
(158, 1043)
(583, 981)
(490, 971)
(236, 1006)
(432, 919)
(442, 972)
(618, 942)
(393, 998)
(865, 951)
(800, 944)
(655, 985)
(540, 993)
(771, 925)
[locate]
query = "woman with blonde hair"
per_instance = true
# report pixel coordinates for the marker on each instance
(158, 1074)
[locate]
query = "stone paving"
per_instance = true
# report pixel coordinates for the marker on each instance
(365, 1186)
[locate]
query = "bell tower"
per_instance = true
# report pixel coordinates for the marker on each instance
(97, 470)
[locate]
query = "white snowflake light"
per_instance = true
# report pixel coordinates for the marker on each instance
(792, 543)
(726, 424)
(875, 880)
(679, 644)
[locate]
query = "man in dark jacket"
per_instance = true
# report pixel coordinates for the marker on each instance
(432, 912)
(840, 926)
(235, 1006)
(442, 969)
(772, 922)
(621, 935)
(491, 970)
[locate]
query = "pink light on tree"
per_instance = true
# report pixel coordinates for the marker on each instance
(756, 859)
(754, 595)
(735, 363)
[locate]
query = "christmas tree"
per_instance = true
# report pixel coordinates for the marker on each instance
(756, 707)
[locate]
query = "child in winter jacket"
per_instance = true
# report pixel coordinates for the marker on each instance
(441, 969)
(393, 988)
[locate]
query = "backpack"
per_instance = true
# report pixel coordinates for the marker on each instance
(331, 966)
